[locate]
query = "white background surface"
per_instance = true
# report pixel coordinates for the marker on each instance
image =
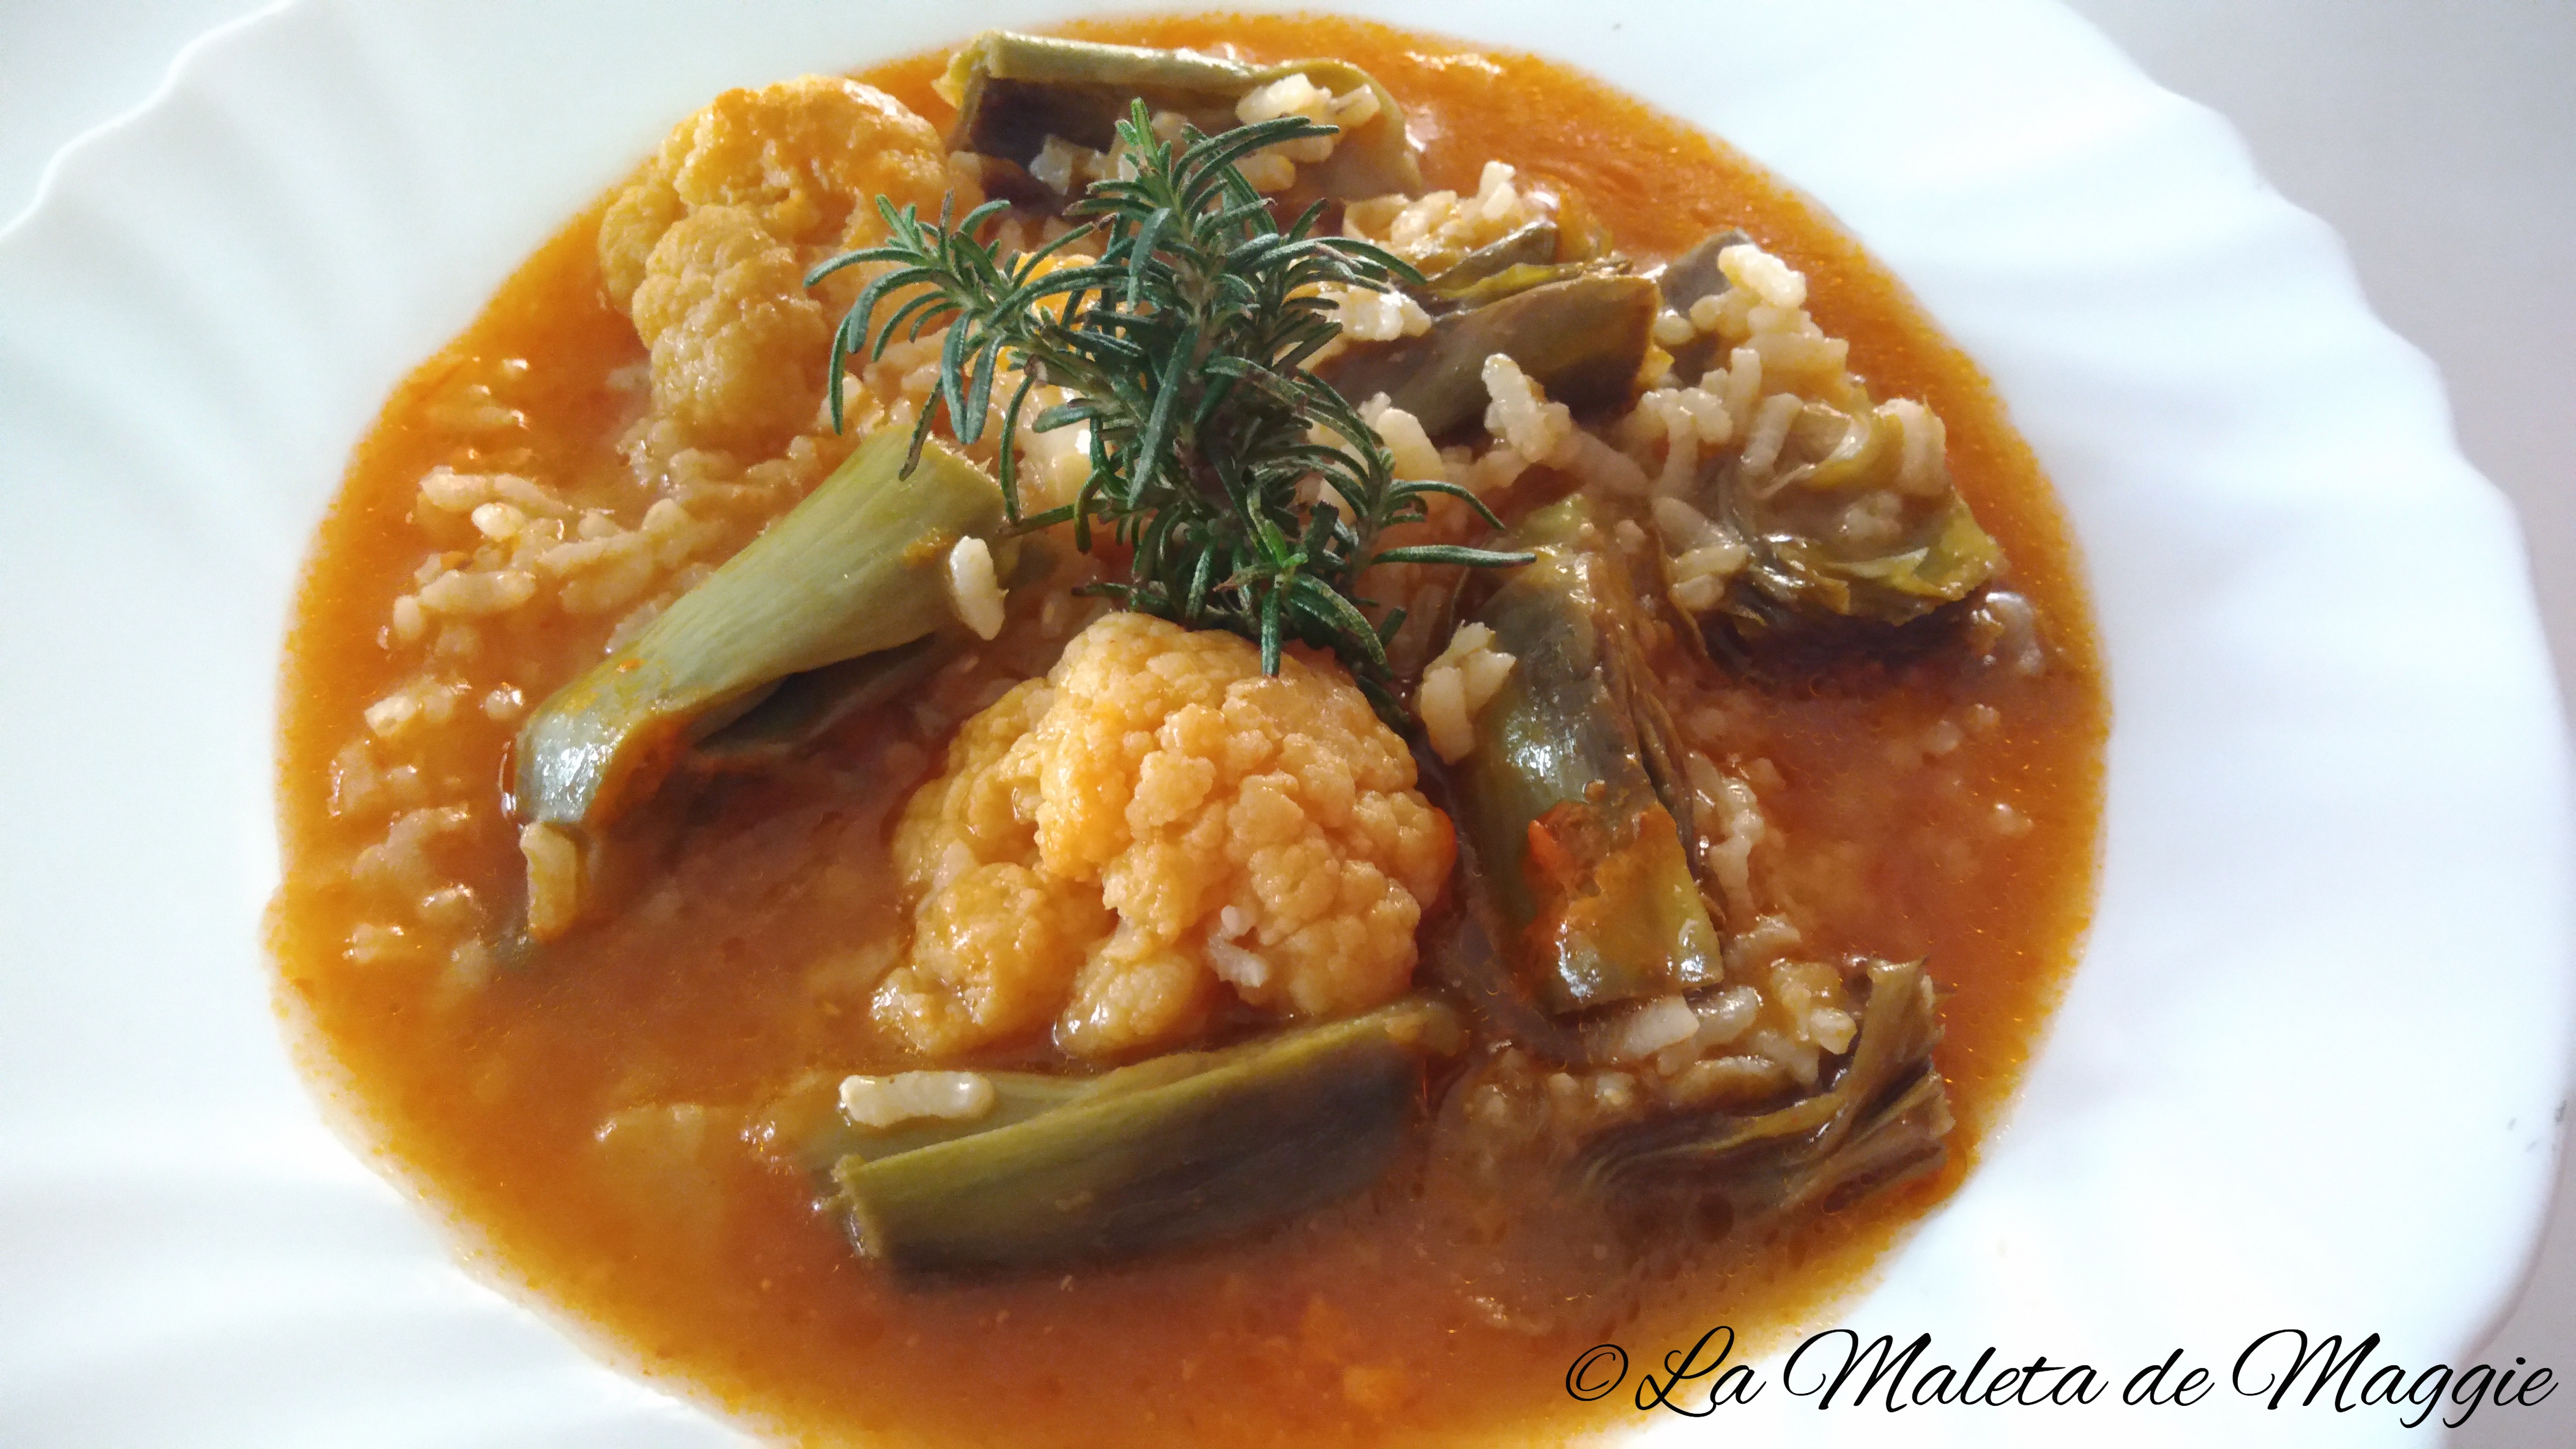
(2438, 137)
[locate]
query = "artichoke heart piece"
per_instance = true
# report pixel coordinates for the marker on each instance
(1013, 91)
(1176, 1150)
(1534, 255)
(1533, 245)
(853, 571)
(1515, 279)
(1885, 1117)
(1856, 530)
(804, 707)
(1684, 281)
(1571, 805)
(1582, 339)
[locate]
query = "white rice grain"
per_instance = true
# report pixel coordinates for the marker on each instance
(1727, 1015)
(1871, 522)
(1684, 527)
(1737, 827)
(451, 908)
(1717, 560)
(1497, 199)
(1802, 354)
(1799, 1058)
(2006, 629)
(973, 591)
(410, 620)
(1482, 674)
(1371, 316)
(458, 641)
(373, 943)
(476, 594)
(1764, 275)
(391, 715)
(1648, 1029)
(1699, 595)
(1061, 165)
(1596, 464)
(1519, 412)
(449, 491)
(1922, 470)
(625, 575)
(1457, 686)
(499, 520)
(554, 879)
(1269, 172)
(1408, 446)
(1441, 700)
(1770, 430)
(1743, 387)
(632, 626)
(1295, 95)
(916, 1096)
(1243, 969)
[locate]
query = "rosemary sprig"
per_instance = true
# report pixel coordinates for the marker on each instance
(1184, 348)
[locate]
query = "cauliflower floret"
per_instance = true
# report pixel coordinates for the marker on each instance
(1152, 824)
(738, 348)
(806, 157)
(708, 247)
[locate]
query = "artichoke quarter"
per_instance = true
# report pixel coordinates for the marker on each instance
(843, 597)
(1013, 91)
(1572, 812)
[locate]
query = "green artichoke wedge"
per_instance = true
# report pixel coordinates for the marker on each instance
(853, 571)
(1884, 1117)
(1016, 90)
(1572, 813)
(1178, 1149)
(1811, 576)
(1581, 338)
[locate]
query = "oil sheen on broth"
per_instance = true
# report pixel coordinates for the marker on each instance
(610, 1124)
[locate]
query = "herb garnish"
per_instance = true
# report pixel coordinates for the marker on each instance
(1184, 346)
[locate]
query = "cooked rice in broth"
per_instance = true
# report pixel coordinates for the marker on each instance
(983, 759)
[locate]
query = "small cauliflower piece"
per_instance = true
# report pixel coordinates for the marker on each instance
(1156, 801)
(707, 248)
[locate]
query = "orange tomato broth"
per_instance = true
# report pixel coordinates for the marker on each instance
(1342, 1328)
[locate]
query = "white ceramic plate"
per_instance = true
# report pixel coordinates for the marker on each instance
(2303, 1078)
